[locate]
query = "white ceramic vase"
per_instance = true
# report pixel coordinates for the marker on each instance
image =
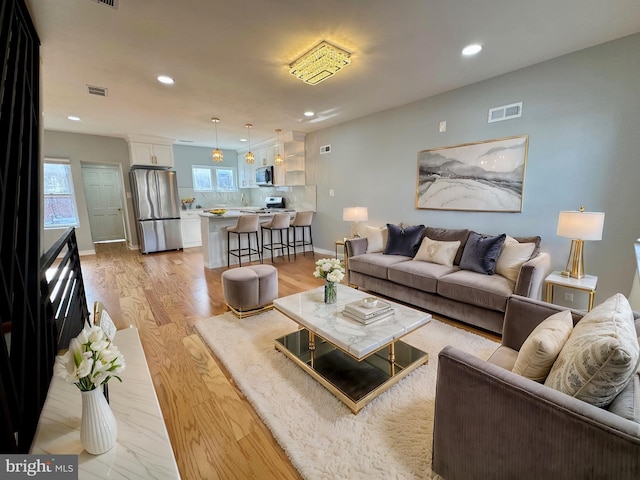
(98, 428)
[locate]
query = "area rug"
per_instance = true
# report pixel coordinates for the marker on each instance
(389, 438)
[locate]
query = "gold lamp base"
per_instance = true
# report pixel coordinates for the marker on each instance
(575, 263)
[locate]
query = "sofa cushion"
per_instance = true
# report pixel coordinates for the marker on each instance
(375, 264)
(514, 254)
(477, 289)
(627, 402)
(481, 253)
(600, 356)
(436, 251)
(504, 357)
(449, 235)
(403, 240)
(376, 239)
(541, 348)
(419, 275)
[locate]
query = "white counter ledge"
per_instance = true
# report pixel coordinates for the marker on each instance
(214, 235)
(143, 450)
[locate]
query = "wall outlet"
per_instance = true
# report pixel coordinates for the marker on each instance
(442, 127)
(332, 193)
(568, 297)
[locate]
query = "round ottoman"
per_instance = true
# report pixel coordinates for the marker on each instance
(250, 290)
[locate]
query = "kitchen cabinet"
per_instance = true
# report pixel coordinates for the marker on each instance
(150, 151)
(190, 227)
(246, 173)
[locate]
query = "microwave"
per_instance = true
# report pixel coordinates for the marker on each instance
(264, 176)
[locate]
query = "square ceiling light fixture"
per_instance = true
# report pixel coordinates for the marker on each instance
(320, 63)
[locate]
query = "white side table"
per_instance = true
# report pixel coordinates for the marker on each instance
(586, 284)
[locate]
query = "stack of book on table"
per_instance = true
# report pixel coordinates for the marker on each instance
(366, 315)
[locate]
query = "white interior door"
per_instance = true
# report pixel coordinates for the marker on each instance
(102, 188)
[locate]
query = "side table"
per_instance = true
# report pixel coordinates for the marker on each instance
(586, 284)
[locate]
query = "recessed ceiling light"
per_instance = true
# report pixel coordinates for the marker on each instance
(309, 114)
(243, 139)
(471, 49)
(74, 118)
(166, 80)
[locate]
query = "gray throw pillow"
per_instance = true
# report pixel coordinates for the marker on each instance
(481, 253)
(403, 240)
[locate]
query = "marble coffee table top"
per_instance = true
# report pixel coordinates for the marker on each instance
(309, 310)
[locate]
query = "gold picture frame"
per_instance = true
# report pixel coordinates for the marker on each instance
(485, 176)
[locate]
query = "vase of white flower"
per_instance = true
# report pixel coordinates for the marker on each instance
(98, 427)
(89, 363)
(332, 270)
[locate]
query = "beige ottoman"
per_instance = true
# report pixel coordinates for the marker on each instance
(250, 290)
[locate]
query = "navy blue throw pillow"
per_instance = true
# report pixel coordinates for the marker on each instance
(481, 253)
(403, 240)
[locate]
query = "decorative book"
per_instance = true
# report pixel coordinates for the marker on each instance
(360, 312)
(367, 321)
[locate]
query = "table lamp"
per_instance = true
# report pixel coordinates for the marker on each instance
(355, 215)
(579, 226)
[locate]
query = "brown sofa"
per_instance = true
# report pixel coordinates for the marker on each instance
(470, 297)
(492, 423)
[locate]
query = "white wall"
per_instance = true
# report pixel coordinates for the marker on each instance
(90, 149)
(580, 112)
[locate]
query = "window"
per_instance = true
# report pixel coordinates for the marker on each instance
(214, 179)
(59, 200)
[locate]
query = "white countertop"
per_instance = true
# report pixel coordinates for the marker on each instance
(142, 451)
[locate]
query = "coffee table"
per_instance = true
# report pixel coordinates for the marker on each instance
(353, 361)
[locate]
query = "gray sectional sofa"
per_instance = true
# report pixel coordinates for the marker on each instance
(492, 423)
(474, 298)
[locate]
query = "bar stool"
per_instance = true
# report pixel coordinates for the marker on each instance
(246, 225)
(302, 221)
(280, 223)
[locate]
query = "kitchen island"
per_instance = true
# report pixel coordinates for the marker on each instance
(214, 235)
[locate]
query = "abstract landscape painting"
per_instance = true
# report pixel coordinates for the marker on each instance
(484, 176)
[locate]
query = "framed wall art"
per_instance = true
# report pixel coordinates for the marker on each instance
(483, 176)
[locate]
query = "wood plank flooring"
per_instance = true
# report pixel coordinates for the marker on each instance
(214, 430)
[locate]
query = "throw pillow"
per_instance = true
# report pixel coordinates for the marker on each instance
(600, 355)
(403, 240)
(376, 239)
(449, 235)
(541, 348)
(481, 253)
(513, 255)
(434, 251)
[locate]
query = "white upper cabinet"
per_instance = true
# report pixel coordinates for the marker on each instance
(157, 152)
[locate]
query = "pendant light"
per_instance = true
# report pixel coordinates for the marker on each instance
(249, 157)
(217, 153)
(278, 160)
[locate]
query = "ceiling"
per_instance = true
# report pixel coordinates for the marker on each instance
(230, 59)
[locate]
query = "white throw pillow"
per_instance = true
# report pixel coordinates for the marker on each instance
(541, 348)
(376, 239)
(513, 255)
(600, 355)
(436, 251)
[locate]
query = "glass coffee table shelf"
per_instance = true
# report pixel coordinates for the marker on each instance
(354, 382)
(353, 361)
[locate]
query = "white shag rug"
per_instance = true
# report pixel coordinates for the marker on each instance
(389, 438)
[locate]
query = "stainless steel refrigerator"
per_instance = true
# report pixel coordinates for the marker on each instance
(157, 209)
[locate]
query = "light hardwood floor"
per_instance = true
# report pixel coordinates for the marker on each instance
(214, 430)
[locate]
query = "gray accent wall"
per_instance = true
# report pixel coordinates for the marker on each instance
(581, 114)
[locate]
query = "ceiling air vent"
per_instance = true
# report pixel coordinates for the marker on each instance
(109, 3)
(325, 149)
(505, 112)
(99, 91)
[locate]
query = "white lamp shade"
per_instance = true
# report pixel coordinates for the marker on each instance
(581, 225)
(355, 214)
